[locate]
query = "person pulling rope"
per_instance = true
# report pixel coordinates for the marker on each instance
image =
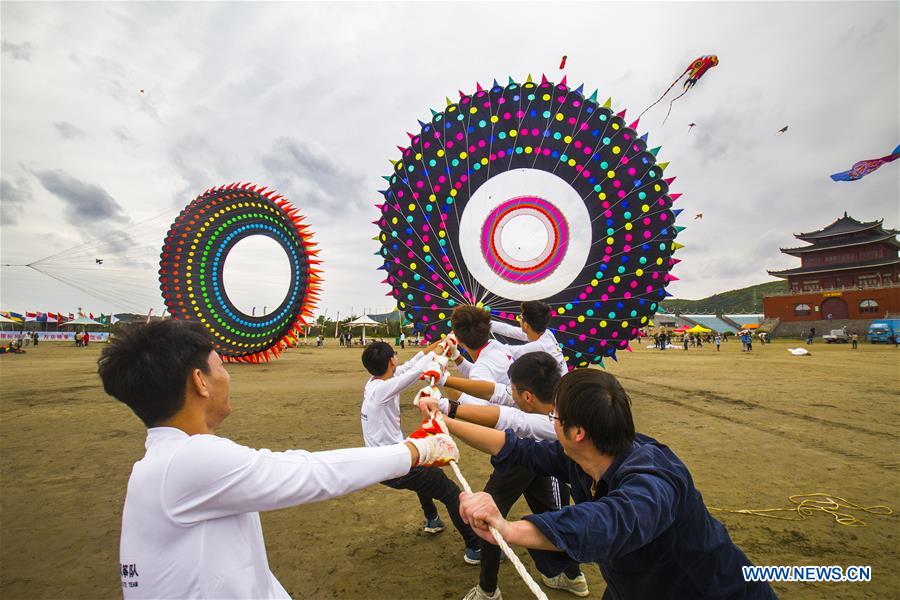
(432, 373)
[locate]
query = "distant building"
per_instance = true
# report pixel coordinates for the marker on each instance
(849, 270)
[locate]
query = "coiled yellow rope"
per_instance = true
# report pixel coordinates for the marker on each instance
(805, 505)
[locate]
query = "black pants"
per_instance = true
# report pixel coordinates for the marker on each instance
(430, 484)
(542, 494)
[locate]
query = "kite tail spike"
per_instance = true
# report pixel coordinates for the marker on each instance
(634, 125)
(529, 79)
(593, 97)
(621, 114)
(580, 89)
(478, 87)
(563, 81)
(608, 103)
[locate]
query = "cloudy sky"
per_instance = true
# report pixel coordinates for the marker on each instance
(311, 99)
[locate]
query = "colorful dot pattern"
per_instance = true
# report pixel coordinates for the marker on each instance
(543, 126)
(193, 259)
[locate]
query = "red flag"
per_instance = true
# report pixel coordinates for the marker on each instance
(92, 316)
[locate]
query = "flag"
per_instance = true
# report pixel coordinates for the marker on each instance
(113, 320)
(51, 318)
(92, 316)
(71, 317)
(103, 319)
(30, 316)
(864, 167)
(16, 316)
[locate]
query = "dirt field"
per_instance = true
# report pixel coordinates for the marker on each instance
(753, 429)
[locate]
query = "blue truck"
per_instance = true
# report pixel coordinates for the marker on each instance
(883, 331)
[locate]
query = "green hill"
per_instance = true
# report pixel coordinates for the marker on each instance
(744, 300)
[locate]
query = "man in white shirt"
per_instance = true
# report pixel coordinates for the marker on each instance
(380, 416)
(472, 330)
(533, 378)
(533, 330)
(190, 525)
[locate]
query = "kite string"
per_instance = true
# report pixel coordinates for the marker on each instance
(807, 504)
(507, 550)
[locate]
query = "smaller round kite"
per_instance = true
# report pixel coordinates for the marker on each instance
(193, 259)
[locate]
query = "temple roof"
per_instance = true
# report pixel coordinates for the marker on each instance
(874, 237)
(878, 262)
(842, 226)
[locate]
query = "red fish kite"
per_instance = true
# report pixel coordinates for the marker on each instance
(697, 69)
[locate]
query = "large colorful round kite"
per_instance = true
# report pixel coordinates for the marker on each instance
(193, 259)
(531, 191)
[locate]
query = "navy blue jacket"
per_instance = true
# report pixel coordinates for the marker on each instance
(645, 525)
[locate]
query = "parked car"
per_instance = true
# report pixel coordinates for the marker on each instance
(837, 336)
(881, 331)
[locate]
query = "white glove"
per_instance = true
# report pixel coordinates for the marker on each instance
(427, 393)
(450, 347)
(436, 448)
(436, 368)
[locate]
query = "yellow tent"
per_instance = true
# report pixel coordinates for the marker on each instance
(699, 329)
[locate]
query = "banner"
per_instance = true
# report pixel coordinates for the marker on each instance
(54, 336)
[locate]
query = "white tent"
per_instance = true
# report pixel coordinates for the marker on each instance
(82, 320)
(363, 321)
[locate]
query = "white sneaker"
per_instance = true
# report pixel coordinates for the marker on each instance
(476, 593)
(577, 586)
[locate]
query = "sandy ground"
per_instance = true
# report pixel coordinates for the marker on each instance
(753, 429)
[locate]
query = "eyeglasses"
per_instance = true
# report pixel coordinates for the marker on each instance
(552, 416)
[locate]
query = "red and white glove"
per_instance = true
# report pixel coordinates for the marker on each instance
(435, 369)
(436, 448)
(450, 347)
(429, 392)
(429, 400)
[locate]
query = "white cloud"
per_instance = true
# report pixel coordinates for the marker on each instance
(311, 99)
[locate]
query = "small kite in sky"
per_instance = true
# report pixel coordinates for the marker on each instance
(562, 63)
(142, 91)
(864, 167)
(698, 216)
(691, 126)
(99, 261)
(698, 67)
(783, 129)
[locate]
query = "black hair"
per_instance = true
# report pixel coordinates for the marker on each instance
(596, 401)
(472, 326)
(535, 372)
(147, 366)
(376, 356)
(536, 314)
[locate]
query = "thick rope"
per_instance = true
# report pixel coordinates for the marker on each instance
(516, 563)
(807, 504)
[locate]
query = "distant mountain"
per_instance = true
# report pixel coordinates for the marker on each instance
(744, 300)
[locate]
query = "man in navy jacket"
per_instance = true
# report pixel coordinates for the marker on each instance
(637, 513)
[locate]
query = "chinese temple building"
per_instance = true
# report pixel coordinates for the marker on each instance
(848, 270)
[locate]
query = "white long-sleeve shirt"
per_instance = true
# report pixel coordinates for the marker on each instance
(526, 425)
(380, 411)
(492, 364)
(190, 527)
(546, 343)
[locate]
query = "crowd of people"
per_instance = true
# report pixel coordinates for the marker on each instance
(599, 491)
